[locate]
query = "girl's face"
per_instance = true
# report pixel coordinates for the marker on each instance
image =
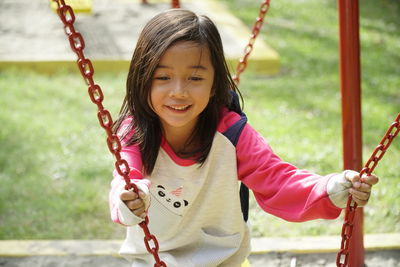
(182, 86)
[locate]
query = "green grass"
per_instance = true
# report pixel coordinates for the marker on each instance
(55, 168)
(299, 112)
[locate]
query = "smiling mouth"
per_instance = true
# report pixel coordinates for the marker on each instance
(179, 108)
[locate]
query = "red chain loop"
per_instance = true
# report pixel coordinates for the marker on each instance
(249, 47)
(68, 30)
(105, 119)
(376, 156)
(113, 143)
(175, 4)
(95, 93)
(85, 66)
(122, 167)
(152, 249)
(66, 14)
(76, 41)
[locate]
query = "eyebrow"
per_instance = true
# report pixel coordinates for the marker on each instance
(201, 67)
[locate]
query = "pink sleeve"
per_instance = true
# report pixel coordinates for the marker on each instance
(280, 188)
(133, 157)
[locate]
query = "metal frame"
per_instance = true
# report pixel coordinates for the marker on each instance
(350, 84)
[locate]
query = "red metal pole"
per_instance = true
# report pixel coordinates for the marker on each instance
(351, 110)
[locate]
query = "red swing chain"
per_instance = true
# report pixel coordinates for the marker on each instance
(249, 47)
(376, 156)
(85, 66)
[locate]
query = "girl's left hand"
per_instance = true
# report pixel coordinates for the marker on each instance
(361, 189)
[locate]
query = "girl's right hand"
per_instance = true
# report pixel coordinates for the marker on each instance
(135, 202)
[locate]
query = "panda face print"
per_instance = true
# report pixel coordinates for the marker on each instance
(170, 199)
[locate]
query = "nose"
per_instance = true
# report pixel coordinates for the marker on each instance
(179, 88)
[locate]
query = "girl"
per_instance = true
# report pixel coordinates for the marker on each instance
(187, 151)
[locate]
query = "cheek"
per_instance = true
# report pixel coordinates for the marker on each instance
(206, 93)
(205, 99)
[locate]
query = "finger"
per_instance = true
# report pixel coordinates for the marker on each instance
(363, 196)
(360, 202)
(134, 204)
(365, 188)
(139, 212)
(142, 194)
(353, 177)
(128, 195)
(370, 179)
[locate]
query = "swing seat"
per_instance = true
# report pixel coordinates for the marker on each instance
(79, 6)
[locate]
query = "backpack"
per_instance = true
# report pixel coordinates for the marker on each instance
(233, 134)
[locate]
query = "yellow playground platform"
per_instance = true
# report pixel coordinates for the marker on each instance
(79, 6)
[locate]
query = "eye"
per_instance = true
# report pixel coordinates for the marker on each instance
(177, 204)
(161, 193)
(196, 78)
(161, 78)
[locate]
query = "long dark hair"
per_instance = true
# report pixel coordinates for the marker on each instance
(160, 33)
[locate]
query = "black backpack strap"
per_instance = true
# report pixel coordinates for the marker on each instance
(244, 201)
(233, 134)
(235, 103)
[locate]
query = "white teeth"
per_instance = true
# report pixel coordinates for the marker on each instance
(180, 108)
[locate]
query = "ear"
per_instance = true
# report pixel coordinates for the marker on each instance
(186, 203)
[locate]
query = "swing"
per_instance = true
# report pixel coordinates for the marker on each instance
(85, 66)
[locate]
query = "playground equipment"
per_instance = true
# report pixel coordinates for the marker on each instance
(79, 6)
(85, 6)
(350, 87)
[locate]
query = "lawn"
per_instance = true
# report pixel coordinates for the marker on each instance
(298, 111)
(55, 167)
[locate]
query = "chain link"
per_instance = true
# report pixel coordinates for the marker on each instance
(85, 66)
(242, 65)
(175, 4)
(348, 224)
